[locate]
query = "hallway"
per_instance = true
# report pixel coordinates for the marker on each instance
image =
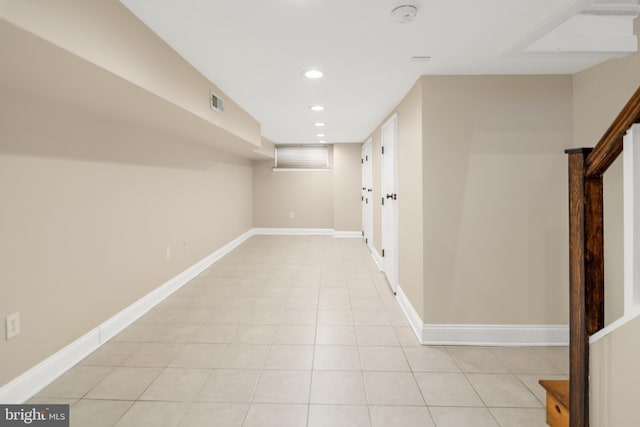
(295, 331)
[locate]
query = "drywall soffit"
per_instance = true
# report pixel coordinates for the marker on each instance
(603, 28)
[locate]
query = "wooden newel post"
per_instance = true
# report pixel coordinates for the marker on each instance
(586, 278)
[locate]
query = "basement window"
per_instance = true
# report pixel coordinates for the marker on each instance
(301, 158)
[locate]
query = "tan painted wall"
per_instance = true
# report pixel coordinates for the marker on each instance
(600, 92)
(105, 33)
(91, 195)
(614, 378)
(410, 197)
(318, 199)
(308, 194)
(347, 179)
(85, 236)
(495, 216)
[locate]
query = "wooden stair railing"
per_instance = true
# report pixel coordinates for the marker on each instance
(586, 252)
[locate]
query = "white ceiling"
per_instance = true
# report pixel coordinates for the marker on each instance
(255, 51)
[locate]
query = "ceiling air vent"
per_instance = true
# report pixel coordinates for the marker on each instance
(216, 103)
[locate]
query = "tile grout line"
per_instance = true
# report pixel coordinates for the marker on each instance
(313, 355)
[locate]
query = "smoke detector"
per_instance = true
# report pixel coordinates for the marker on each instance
(404, 14)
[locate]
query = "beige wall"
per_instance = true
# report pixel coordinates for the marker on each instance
(93, 190)
(132, 52)
(347, 179)
(410, 197)
(614, 378)
(482, 206)
(319, 199)
(308, 194)
(83, 239)
(495, 216)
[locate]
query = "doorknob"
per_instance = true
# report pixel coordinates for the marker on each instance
(369, 190)
(393, 196)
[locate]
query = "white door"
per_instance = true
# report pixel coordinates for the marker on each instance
(389, 202)
(367, 194)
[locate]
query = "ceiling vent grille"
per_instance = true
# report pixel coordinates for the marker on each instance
(216, 103)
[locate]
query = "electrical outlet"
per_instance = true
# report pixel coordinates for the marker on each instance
(185, 244)
(13, 325)
(167, 252)
(292, 214)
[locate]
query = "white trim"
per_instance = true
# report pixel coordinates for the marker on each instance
(293, 231)
(389, 218)
(367, 184)
(35, 379)
(301, 169)
(631, 218)
(410, 313)
(120, 321)
(376, 257)
(631, 175)
(614, 325)
(347, 234)
(495, 335)
(478, 334)
(267, 231)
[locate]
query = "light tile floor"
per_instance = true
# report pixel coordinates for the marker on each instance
(297, 331)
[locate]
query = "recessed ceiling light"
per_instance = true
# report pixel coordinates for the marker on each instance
(320, 135)
(421, 58)
(316, 108)
(313, 74)
(318, 124)
(322, 142)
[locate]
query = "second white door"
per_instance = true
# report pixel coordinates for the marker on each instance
(367, 194)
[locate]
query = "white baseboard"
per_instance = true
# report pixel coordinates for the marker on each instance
(479, 334)
(293, 231)
(267, 231)
(495, 335)
(376, 258)
(35, 379)
(617, 324)
(347, 234)
(410, 313)
(117, 323)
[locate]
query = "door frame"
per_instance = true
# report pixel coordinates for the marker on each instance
(390, 204)
(367, 192)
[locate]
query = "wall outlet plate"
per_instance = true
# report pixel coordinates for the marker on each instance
(13, 325)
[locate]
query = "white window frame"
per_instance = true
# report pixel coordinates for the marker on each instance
(302, 163)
